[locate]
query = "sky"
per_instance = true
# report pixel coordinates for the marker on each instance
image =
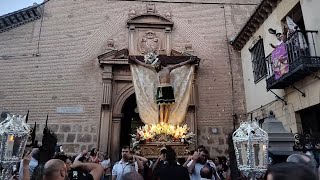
(8, 6)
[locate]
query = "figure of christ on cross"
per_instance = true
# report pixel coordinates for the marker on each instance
(165, 94)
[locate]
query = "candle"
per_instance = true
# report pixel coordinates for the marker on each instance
(9, 150)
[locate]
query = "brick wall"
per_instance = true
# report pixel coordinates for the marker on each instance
(74, 33)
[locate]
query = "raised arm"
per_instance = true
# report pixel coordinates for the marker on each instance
(187, 162)
(143, 159)
(95, 170)
(140, 164)
(193, 163)
(25, 167)
(192, 59)
(273, 46)
(134, 59)
(155, 165)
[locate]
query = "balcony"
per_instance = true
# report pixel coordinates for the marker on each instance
(302, 60)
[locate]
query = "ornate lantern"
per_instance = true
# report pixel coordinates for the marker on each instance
(13, 134)
(251, 148)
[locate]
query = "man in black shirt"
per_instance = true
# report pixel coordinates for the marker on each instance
(172, 171)
(75, 171)
(161, 161)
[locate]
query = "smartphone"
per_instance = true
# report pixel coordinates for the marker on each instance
(74, 175)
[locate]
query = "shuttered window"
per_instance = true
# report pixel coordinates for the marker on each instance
(258, 61)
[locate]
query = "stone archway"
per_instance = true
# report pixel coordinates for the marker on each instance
(130, 121)
(117, 117)
(123, 95)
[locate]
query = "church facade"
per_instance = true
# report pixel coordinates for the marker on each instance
(69, 59)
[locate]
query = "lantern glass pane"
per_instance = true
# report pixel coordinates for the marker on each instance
(238, 146)
(12, 145)
(16, 146)
(243, 153)
(9, 147)
(256, 154)
(259, 154)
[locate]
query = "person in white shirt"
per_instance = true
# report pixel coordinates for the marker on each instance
(32, 164)
(128, 163)
(199, 160)
(83, 156)
(106, 164)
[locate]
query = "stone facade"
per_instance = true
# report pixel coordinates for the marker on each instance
(74, 137)
(58, 69)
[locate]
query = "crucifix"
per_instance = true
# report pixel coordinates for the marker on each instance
(165, 93)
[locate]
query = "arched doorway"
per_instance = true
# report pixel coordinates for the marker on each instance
(130, 120)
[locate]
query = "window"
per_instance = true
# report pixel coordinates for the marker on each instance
(310, 119)
(296, 15)
(258, 61)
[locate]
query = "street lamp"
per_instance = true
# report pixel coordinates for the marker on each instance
(251, 148)
(13, 135)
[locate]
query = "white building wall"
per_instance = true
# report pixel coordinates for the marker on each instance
(311, 17)
(256, 94)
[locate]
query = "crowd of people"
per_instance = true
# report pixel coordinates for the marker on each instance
(95, 165)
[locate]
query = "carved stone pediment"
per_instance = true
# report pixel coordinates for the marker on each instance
(150, 20)
(114, 57)
(149, 32)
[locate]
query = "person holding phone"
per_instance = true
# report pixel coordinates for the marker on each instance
(128, 163)
(199, 160)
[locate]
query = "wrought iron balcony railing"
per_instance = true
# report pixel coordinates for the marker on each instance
(301, 60)
(306, 142)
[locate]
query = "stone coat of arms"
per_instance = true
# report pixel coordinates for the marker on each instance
(149, 43)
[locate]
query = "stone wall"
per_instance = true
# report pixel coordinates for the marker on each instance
(73, 137)
(67, 73)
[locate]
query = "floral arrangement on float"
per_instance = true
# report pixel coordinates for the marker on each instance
(162, 132)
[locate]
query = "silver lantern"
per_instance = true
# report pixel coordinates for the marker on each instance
(13, 134)
(251, 148)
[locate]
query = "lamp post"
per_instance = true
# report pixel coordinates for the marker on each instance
(251, 148)
(13, 135)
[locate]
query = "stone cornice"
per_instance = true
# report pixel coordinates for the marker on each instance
(149, 20)
(114, 57)
(120, 57)
(261, 13)
(20, 17)
(114, 61)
